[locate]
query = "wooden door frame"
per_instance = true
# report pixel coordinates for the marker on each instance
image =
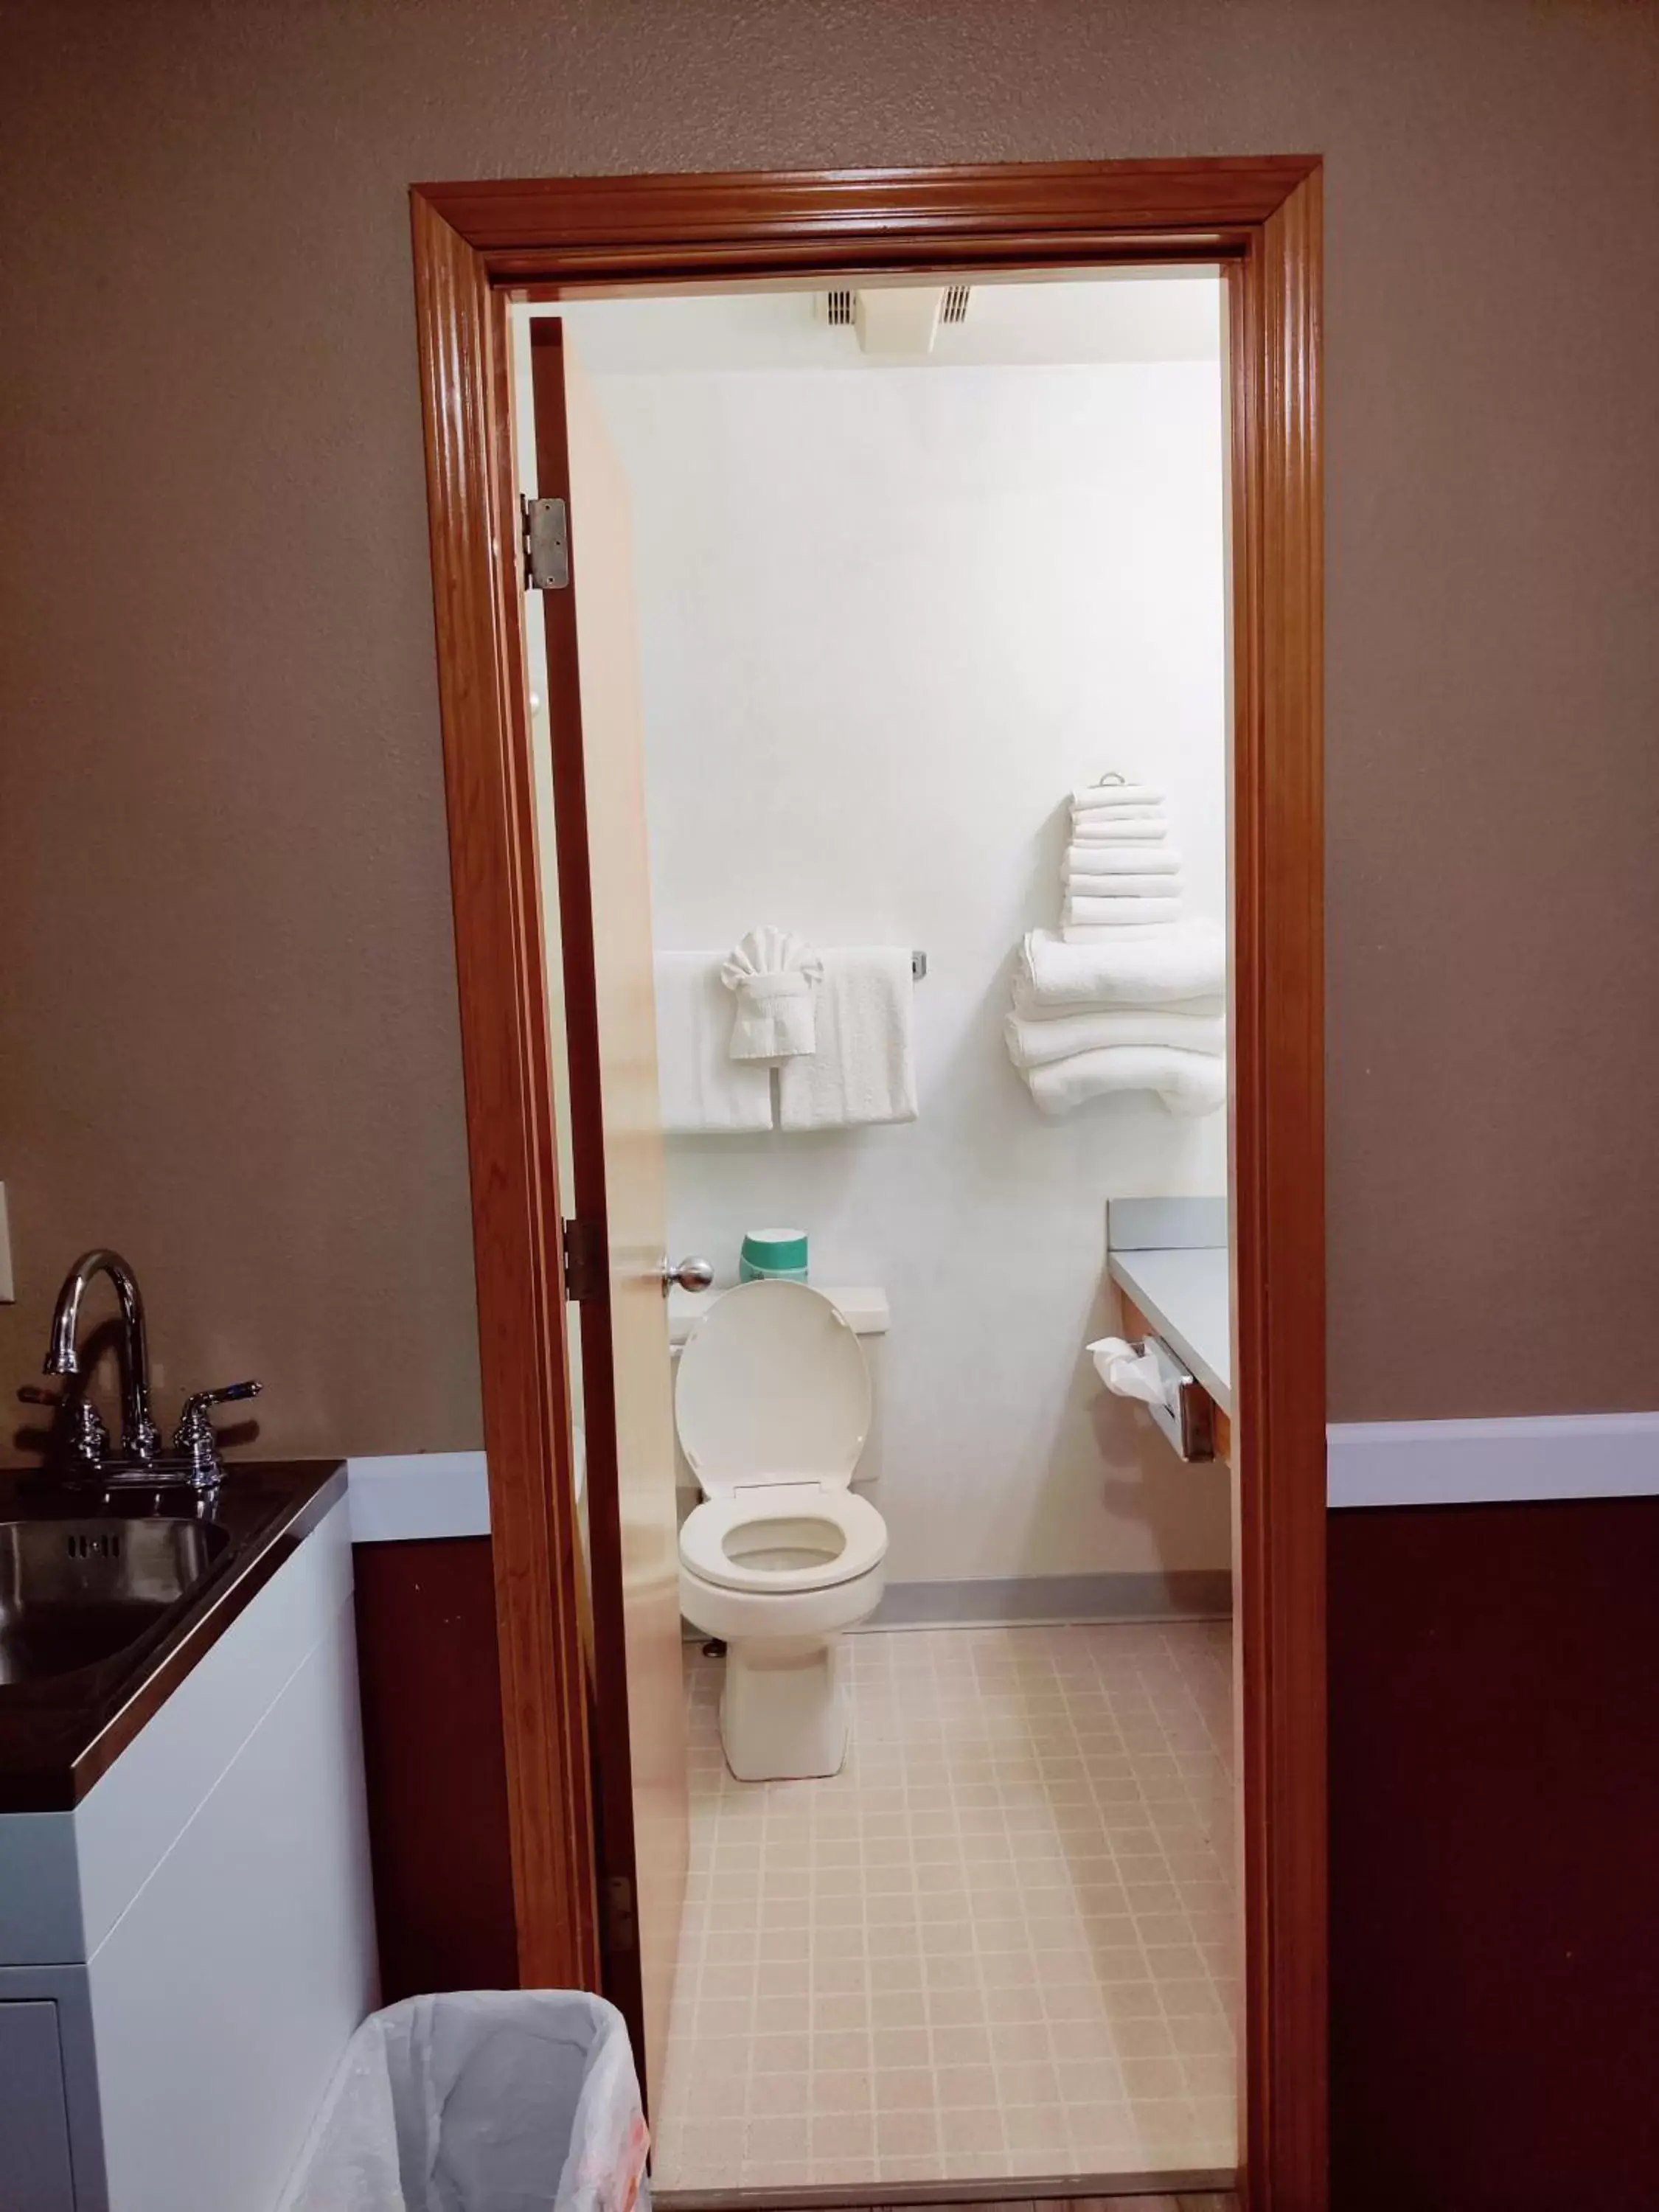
(476, 247)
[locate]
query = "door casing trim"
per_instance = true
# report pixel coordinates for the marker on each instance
(475, 248)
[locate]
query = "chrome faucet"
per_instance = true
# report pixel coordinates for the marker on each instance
(140, 1438)
(83, 1447)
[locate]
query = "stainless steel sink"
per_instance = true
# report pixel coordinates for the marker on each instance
(74, 1593)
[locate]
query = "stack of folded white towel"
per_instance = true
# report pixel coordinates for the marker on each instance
(1129, 996)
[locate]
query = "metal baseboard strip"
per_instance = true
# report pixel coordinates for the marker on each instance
(1031, 1601)
(1012, 2189)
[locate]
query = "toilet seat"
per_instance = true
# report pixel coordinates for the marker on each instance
(710, 1526)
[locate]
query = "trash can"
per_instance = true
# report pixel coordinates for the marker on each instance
(480, 2101)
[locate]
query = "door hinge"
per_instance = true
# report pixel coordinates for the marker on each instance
(546, 544)
(621, 1928)
(585, 1260)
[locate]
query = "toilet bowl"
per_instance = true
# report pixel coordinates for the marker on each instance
(773, 1401)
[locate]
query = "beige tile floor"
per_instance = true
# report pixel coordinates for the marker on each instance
(1001, 1941)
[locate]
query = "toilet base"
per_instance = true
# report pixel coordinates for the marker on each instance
(784, 1714)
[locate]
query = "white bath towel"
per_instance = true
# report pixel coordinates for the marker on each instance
(1144, 967)
(1113, 817)
(1141, 859)
(702, 1087)
(1116, 913)
(773, 977)
(1089, 887)
(1035, 1043)
(1100, 830)
(863, 1069)
(1117, 794)
(1188, 1083)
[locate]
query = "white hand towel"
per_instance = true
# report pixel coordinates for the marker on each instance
(1188, 1083)
(772, 976)
(864, 1067)
(1035, 1043)
(1146, 969)
(1117, 794)
(702, 1087)
(1089, 887)
(1116, 913)
(1100, 830)
(1118, 859)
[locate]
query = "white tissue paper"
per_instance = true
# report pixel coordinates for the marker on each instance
(774, 977)
(1130, 1372)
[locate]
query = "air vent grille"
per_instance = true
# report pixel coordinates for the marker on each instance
(839, 309)
(955, 309)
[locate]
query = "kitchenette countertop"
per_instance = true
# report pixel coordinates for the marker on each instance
(60, 1733)
(1186, 1294)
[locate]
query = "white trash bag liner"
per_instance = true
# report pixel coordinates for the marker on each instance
(480, 2101)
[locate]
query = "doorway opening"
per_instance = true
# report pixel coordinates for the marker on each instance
(596, 1800)
(929, 588)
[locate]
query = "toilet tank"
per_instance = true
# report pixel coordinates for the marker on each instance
(866, 1312)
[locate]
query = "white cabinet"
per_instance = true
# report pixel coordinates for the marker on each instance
(184, 1956)
(34, 2137)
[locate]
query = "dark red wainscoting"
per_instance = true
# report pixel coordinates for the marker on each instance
(437, 1775)
(1495, 1858)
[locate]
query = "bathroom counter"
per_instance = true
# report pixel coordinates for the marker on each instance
(60, 1733)
(1186, 1295)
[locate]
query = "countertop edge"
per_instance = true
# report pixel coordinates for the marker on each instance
(1121, 1265)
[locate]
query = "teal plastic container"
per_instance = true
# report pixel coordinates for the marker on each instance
(777, 1256)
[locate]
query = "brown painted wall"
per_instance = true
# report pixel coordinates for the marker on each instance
(230, 1036)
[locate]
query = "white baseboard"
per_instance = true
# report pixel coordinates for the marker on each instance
(1527, 1460)
(407, 1496)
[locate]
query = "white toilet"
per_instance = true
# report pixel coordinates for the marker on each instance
(773, 1405)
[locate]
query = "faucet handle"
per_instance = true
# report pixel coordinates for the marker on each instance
(194, 1439)
(230, 1394)
(81, 1442)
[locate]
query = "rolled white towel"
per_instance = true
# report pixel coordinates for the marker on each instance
(1127, 829)
(1117, 913)
(1142, 968)
(1188, 1083)
(1141, 859)
(1089, 887)
(1036, 1043)
(1117, 794)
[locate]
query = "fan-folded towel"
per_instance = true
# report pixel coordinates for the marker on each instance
(702, 1088)
(1106, 913)
(1114, 859)
(863, 1068)
(772, 975)
(1148, 968)
(1188, 1083)
(1035, 1043)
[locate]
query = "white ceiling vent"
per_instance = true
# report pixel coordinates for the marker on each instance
(897, 321)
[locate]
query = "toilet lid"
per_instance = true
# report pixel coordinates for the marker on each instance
(772, 1388)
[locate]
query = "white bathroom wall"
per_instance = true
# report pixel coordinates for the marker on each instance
(889, 618)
